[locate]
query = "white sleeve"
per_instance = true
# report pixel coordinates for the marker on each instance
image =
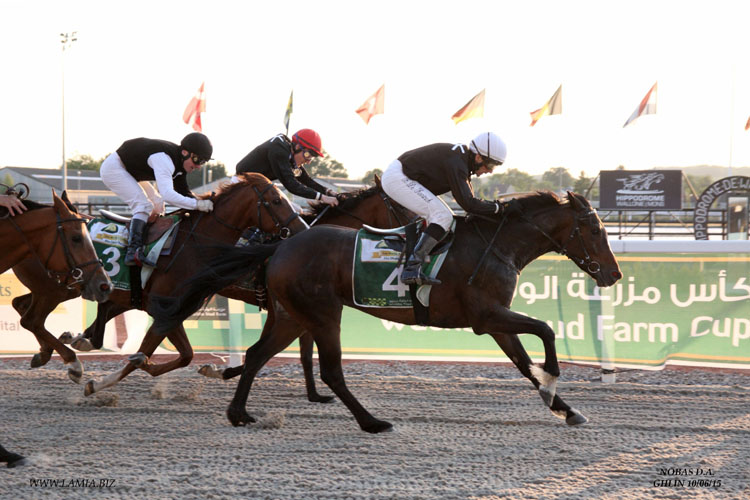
(163, 170)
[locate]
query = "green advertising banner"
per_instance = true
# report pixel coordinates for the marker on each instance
(668, 308)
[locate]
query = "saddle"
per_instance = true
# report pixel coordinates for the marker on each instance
(154, 230)
(399, 239)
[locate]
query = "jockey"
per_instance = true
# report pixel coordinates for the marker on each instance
(284, 159)
(416, 178)
(168, 164)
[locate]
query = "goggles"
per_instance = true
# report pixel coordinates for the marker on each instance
(197, 159)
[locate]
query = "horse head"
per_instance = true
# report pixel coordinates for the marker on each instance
(588, 246)
(256, 201)
(74, 261)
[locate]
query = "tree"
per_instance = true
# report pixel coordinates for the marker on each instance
(582, 184)
(84, 162)
(699, 183)
(557, 179)
(369, 177)
(8, 181)
(215, 171)
(326, 167)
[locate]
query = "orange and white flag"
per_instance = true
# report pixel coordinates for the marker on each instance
(551, 107)
(646, 107)
(195, 107)
(472, 109)
(374, 105)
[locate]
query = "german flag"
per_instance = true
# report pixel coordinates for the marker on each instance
(473, 109)
(551, 107)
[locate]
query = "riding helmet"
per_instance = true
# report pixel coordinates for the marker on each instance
(308, 139)
(198, 144)
(489, 145)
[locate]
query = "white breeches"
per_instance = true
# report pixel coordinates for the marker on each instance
(414, 196)
(124, 185)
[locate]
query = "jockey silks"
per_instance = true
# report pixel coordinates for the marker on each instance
(134, 155)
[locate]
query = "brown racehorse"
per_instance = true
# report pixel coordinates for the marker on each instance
(369, 206)
(55, 243)
(253, 201)
(308, 288)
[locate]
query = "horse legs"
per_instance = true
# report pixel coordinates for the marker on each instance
(306, 358)
(93, 337)
(277, 334)
(21, 304)
(488, 320)
(149, 344)
(512, 347)
(33, 320)
(329, 352)
(179, 338)
(13, 459)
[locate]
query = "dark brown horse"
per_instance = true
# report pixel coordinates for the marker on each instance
(308, 288)
(54, 242)
(369, 206)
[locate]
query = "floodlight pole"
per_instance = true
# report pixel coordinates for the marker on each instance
(67, 40)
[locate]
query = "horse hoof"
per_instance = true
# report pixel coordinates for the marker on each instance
(82, 344)
(239, 418)
(17, 462)
(89, 389)
(211, 371)
(66, 338)
(378, 426)
(576, 418)
(138, 359)
(75, 371)
(317, 398)
(40, 359)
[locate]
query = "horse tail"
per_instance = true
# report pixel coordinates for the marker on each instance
(230, 266)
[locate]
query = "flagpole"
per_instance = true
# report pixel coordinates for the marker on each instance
(67, 40)
(731, 119)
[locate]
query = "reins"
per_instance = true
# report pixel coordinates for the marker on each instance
(393, 212)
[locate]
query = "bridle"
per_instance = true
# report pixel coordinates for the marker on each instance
(586, 262)
(74, 275)
(282, 226)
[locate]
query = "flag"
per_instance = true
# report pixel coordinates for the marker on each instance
(747, 125)
(288, 113)
(195, 107)
(551, 107)
(472, 109)
(374, 105)
(646, 107)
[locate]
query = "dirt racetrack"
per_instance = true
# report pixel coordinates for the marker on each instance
(462, 431)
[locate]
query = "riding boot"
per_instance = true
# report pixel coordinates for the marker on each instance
(135, 255)
(412, 273)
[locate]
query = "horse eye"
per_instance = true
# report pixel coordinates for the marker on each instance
(77, 238)
(276, 201)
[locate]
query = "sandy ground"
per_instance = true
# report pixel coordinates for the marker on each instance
(463, 431)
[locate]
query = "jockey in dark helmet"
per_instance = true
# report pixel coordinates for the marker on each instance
(418, 176)
(138, 160)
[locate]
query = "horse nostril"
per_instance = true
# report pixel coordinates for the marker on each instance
(617, 275)
(104, 287)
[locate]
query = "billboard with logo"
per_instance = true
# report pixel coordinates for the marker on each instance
(640, 189)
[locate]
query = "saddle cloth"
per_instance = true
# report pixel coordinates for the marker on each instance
(376, 280)
(110, 240)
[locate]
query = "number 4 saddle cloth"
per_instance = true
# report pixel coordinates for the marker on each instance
(376, 277)
(110, 238)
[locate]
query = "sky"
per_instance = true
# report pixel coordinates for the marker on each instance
(136, 65)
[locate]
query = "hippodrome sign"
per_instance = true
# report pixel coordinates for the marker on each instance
(640, 189)
(709, 195)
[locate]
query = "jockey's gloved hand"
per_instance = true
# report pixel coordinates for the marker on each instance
(205, 205)
(508, 207)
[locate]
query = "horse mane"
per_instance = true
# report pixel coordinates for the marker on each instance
(245, 179)
(347, 201)
(539, 200)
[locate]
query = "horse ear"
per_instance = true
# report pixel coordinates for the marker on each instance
(376, 178)
(577, 201)
(57, 202)
(68, 203)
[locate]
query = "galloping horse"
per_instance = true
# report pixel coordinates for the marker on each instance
(54, 242)
(308, 288)
(369, 206)
(253, 201)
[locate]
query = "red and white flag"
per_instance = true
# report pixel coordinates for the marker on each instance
(747, 125)
(195, 107)
(374, 105)
(646, 107)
